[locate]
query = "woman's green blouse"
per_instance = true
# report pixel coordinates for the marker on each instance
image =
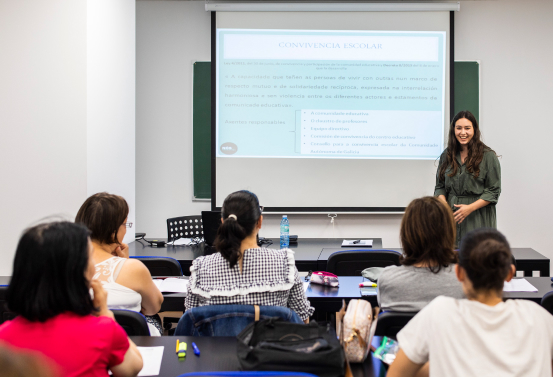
(464, 188)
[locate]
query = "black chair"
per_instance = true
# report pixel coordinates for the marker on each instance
(547, 302)
(351, 263)
(184, 227)
(390, 323)
(132, 322)
(161, 266)
(5, 314)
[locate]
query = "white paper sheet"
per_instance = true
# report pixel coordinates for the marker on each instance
(175, 285)
(305, 286)
(181, 241)
(151, 356)
(361, 243)
(518, 285)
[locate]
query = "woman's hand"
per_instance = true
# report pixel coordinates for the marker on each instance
(466, 209)
(100, 301)
(121, 251)
(463, 210)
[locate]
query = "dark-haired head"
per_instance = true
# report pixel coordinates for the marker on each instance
(485, 256)
(241, 216)
(105, 216)
(475, 147)
(428, 234)
(51, 272)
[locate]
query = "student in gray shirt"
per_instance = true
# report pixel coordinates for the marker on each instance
(427, 267)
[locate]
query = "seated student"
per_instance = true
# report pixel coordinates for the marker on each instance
(242, 272)
(481, 335)
(127, 281)
(427, 268)
(50, 292)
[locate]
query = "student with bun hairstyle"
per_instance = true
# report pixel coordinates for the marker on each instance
(427, 266)
(481, 335)
(50, 293)
(241, 272)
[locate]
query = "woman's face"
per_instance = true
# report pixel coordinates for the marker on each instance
(464, 131)
(90, 270)
(122, 231)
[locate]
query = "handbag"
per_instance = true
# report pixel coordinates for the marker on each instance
(277, 345)
(324, 278)
(356, 327)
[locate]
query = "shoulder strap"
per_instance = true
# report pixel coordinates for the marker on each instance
(120, 262)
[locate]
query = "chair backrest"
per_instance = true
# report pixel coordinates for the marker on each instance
(184, 227)
(132, 322)
(228, 320)
(390, 323)
(5, 314)
(161, 266)
(547, 302)
(352, 262)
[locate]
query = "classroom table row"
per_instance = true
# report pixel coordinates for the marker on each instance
(328, 299)
(313, 253)
(219, 354)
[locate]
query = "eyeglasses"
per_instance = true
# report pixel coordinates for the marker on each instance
(128, 225)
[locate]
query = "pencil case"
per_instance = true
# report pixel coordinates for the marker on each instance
(324, 278)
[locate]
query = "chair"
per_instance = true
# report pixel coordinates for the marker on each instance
(133, 323)
(547, 302)
(351, 263)
(161, 266)
(228, 320)
(184, 227)
(5, 314)
(390, 323)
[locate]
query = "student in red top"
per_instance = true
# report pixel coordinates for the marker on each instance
(49, 290)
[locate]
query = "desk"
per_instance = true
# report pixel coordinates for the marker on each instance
(219, 354)
(312, 254)
(307, 251)
(327, 299)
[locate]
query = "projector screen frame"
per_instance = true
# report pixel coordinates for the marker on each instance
(310, 210)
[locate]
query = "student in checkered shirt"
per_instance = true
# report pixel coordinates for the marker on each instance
(242, 272)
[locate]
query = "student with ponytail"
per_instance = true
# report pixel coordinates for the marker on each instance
(481, 335)
(241, 272)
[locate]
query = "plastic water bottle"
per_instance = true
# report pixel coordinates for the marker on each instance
(284, 232)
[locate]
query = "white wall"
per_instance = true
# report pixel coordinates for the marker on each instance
(111, 57)
(511, 39)
(66, 109)
(42, 115)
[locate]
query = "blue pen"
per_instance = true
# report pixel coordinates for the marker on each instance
(196, 349)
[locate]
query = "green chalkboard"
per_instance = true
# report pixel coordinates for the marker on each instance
(467, 88)
(467, 97)
(201, 126)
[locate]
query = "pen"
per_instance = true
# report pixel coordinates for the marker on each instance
(361, 285)
(177, 351)
(182, 350)
(196, 349)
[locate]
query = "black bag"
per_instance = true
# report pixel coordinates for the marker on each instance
(277, 345)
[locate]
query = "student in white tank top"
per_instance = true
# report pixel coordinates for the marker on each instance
(127, 281)
(480, 335)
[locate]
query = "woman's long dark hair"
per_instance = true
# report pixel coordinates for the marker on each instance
(49, 272)
(245, 206)
(103, 214)
(476, 148)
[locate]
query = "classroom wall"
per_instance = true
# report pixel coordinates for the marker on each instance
(111, 78)
(66, 109)
(42, 114)
(511, 39)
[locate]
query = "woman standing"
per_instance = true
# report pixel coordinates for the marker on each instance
(468, 177)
